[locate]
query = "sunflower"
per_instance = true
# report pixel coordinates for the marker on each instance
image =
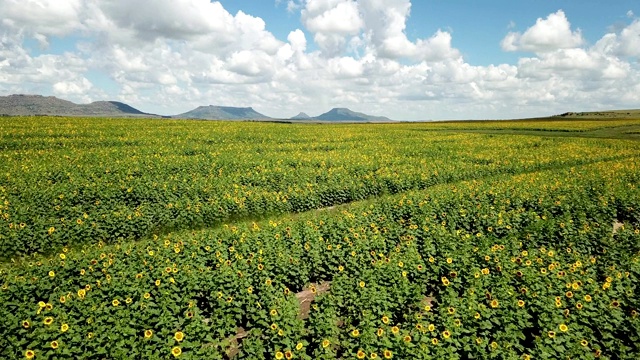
(431, 327)
(434, 341)
(477, 316)
(288, 354)
(176, 351)
(407, 338)
(445, 281)
(326, 343)
(115, 302)
(584, 342)
(569, 294)
(446, 334)
(451, 310)
(385, 319)
(355, 333)
(563, 327)
(146, 295)
(551, 334)
(274, 326)
(361, 284)
(373, 355)
(360, 354)
(387, 354)
(179, 336)
(299, 346)
(494, 303)
(520, 303)
(395, 330)
(148, 334)
(273, 312)
(29, 354)
(48, 320)
(380, 332)
(485, 271)
(26, 324)
(54, 344)
(478, 341)
(64, 327)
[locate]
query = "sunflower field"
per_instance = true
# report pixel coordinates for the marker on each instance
(155, 239)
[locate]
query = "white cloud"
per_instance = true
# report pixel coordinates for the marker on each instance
(194, 52)
(72, 87)
(332, 16)
(630, 14)
(332, 22)
(548, 34)
(42, 17)
(625, 43)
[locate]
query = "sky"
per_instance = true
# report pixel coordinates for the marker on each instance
(407, 60)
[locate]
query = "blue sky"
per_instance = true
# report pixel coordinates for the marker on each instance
(403, 59)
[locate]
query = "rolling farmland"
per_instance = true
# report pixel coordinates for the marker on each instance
(132, 238)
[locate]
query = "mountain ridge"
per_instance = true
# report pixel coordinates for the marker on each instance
(345, 114)
(29, 105)
(214, 112)
(21, 104)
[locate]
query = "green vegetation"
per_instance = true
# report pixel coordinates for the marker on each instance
(161, 239)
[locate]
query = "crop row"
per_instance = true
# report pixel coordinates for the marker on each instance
(65, 182)
(522, 266)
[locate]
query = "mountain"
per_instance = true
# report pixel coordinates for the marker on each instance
(301, 116)
(51, 105)
(344, 114)
(212, 112)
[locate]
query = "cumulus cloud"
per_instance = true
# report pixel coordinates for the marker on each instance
(42, 17)
(72, 87)
(349, 53)
(548, 34)
(625, 43)
(332, 22)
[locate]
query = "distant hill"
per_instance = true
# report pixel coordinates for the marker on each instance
(606, 114)
(212, 112)
(51, 105)
(300, 116)
(344, 114)
(13, 105)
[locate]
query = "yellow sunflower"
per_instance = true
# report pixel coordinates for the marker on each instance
(176, 351)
